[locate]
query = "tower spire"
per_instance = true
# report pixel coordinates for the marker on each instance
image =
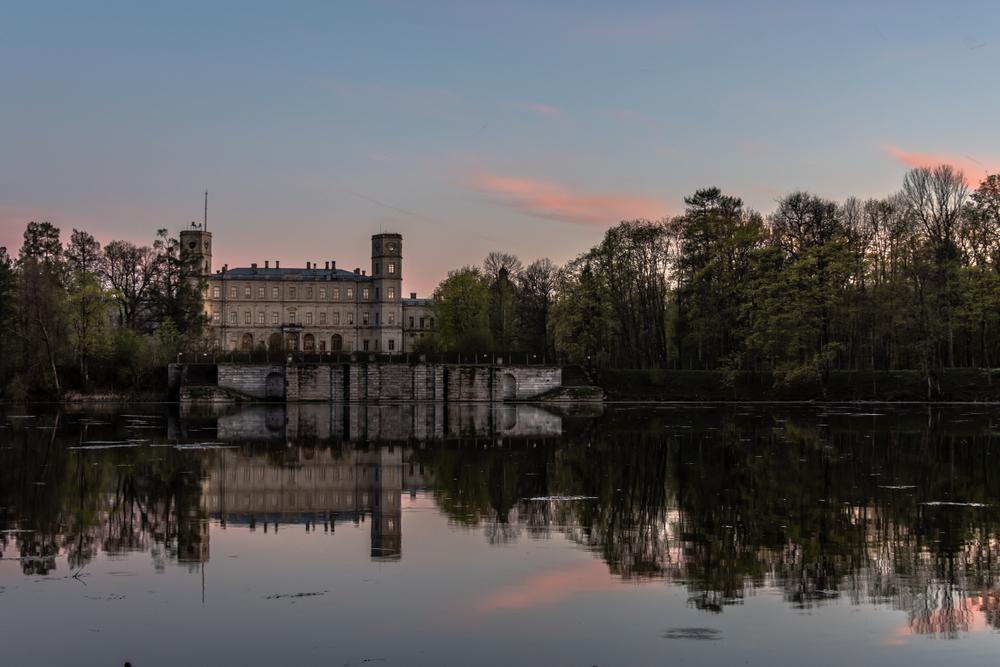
(204, 223)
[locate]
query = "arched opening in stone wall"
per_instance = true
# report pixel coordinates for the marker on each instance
(308, 343)
(274, 418)
(274, 386)
(507, 417)
(337, 343)
(508, 387)
(292, 342)
(274, 342)
(246, 344)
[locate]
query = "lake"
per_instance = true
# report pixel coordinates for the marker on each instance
(430, 534)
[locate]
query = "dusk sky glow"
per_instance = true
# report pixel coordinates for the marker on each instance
(471, 126)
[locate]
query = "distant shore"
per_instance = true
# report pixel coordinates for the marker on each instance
(950, 385)
(680, 386)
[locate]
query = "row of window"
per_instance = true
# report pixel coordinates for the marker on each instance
(245, 500)
(291, 475)
(292, 318)
(392, 345)
(234, 291)
(310, 343)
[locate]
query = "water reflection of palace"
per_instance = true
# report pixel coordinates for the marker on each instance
(320, 486)
(315, 488)
(369, 422)
(897, 510)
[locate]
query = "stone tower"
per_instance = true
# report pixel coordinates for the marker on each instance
(196, 246)
(387, 277)
(387, 514)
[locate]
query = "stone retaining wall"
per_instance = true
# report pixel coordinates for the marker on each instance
(383, 382)
(251, 379)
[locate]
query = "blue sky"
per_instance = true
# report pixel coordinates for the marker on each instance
(471, 126)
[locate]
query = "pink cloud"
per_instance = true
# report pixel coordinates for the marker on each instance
(973, 169)
(541, 109)
(544, 199)
(550, 588)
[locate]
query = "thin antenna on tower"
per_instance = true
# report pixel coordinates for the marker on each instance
(204, 223)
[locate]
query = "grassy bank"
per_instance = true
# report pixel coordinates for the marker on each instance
(672, 385)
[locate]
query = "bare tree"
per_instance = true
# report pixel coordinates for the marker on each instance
(130, 271)
(980, 226)
(501, 270)
(804, 221)
(498, 264)
(935, 197)
(633, 264)
(537, 287)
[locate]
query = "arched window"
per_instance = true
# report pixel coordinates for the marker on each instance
(308, 343)
(509, 387)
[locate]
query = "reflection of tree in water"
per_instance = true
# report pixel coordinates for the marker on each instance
(79, 503)
(822, 507)
(626, 525)
(483, 485)
(819, 506)
(153, 507)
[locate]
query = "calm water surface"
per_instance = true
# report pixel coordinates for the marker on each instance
(428, 535)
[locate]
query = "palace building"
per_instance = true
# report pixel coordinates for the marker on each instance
(312, 309)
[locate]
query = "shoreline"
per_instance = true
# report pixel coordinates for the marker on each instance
(103, 400)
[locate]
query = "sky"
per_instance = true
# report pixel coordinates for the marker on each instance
(467, 126)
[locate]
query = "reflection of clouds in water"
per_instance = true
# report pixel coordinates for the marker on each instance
(946, 612)
(549, 588)
(708, 499)
(800, 513)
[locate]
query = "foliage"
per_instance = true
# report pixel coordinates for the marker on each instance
(462, 309)
(909, 281)
(84, 317)
(582, 325)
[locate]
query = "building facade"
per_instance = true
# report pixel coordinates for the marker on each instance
(313, 309)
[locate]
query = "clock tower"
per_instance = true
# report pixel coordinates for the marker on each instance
(387, 279)
(196, 247)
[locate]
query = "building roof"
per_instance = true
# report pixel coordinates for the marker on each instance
(250, 273)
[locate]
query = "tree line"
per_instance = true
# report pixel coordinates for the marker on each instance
(908, 281)
(81, 316)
